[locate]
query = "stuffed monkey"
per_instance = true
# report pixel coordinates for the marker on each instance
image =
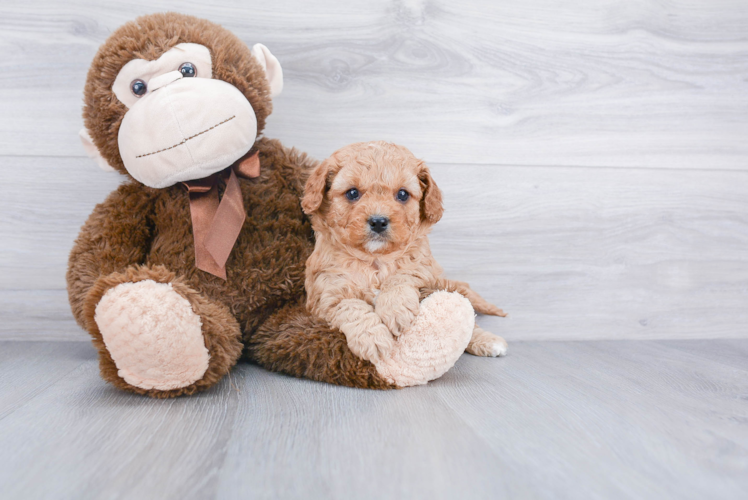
(198, 257)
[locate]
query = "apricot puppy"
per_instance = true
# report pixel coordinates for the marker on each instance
(372, 205)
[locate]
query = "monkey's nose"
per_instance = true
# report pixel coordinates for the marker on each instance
(159, 81)
(378, 224)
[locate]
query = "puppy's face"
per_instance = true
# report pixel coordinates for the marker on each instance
(375, 197)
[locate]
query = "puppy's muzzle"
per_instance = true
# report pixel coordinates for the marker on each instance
(378, 224)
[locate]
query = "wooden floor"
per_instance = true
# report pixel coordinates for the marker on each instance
(590, 419)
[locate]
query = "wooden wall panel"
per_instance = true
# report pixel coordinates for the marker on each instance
(641, 84)
(592, 153)
(569, 252)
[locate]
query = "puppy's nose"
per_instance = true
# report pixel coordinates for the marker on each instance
(378, 224)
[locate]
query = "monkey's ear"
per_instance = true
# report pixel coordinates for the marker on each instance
(272, 67)
(316, 187)
(431, 202)
(93, 152)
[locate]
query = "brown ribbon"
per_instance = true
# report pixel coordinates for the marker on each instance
(216, 224)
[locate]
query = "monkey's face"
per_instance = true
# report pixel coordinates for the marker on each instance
(181, 123)
(182, 115)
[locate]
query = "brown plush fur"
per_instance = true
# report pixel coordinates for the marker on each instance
(293, 342)
(144, 233)
(351, 263)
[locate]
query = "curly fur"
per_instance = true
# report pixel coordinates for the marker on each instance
(372, 292)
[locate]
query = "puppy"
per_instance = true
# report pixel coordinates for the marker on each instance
(372, 206)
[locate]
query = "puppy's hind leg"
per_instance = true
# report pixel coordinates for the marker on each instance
(487, 344)
(480, 304)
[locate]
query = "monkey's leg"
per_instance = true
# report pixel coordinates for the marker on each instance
(157, 336)
(296, 343)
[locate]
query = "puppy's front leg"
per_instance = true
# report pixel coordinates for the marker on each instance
(367, 336)
(398, 303)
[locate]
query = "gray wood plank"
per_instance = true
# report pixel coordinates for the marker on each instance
(38, 315)
(92, 441)
(599, 253)
(596, 419)
(646, 84)
(29, 368)
(595, 414)
(570, 253)
(41, 216)
(732, 353)
(365, 445)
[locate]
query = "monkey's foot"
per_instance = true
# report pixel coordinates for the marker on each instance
(153, 335)
(432, 345)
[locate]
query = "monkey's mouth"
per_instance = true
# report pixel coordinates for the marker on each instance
(188, 138)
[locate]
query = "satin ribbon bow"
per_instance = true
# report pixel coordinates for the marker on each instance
(216, 223)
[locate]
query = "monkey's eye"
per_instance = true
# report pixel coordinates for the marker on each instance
(403, 195)
(188, 70)
(138, 88)
(352, 194)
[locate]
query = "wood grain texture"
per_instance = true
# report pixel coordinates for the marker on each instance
(49, 362)
(589, 82)
(481, 91)
(570, 253)
(599, 419)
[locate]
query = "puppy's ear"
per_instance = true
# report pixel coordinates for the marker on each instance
(316, 187)
(431, 201)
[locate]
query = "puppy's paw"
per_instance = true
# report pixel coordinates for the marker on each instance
(372, 345)
(398, 308)
(487, 344)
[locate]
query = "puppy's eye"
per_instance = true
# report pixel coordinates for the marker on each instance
(403, 195)
(353, 194)
(138, 87)
(188, 69)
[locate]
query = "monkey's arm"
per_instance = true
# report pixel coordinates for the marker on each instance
(116, 235)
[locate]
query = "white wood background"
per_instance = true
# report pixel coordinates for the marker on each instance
(593, 154)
